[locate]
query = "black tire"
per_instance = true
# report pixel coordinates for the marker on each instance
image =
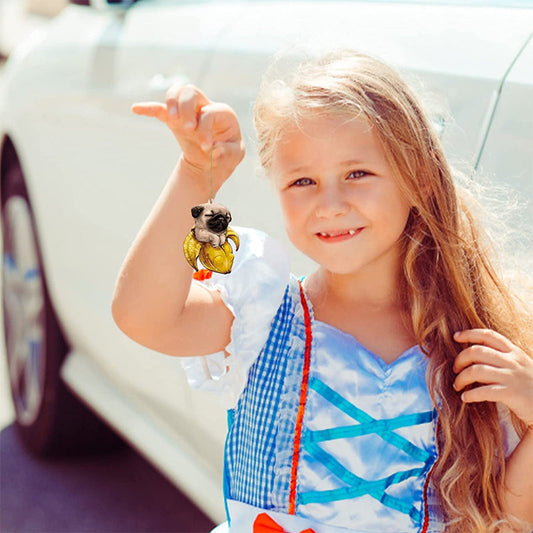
(50, 420)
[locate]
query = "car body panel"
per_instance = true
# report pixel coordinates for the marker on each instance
(103, 197)
(165, 447)
(457, 58)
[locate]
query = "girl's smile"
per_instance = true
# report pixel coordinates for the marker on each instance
(340, 200)
(338, 236)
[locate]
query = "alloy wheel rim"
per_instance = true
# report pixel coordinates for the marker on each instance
(23, 305)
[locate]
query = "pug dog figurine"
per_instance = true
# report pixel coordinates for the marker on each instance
(208, 239)
(211, 223)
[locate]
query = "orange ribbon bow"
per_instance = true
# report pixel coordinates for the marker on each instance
(202, 274)
(265, 524)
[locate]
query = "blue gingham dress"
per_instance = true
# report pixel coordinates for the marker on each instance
(368, 440)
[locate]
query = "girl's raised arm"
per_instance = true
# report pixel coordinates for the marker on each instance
(154, 301)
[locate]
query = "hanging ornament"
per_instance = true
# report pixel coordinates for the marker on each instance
(209, 238)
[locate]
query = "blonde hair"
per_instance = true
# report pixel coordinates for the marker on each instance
(449, 280)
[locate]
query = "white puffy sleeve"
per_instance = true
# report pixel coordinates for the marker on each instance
(253, 292)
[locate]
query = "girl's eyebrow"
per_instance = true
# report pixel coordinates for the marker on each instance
(297, 170)
(349, 162)
(304, 169)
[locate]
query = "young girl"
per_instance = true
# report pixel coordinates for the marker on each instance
(376, 394)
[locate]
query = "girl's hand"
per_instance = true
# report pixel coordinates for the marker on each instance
(200, 125)
(503, 372)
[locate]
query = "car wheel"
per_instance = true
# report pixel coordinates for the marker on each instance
(49, 418)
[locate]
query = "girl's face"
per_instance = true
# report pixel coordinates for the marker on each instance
(341, 203)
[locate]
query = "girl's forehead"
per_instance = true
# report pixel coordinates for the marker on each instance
(319, 138)
(324, 126)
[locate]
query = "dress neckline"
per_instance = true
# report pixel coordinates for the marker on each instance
(409, 352)
(382, 363)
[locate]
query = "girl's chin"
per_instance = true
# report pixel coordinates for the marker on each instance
(337, 268)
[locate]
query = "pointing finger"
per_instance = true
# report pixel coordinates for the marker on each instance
(151, 109)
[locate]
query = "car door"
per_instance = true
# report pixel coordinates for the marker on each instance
(95, 169)
(162, 43)
(158, 44)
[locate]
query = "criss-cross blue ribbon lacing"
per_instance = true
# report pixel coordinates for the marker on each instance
(358, 486)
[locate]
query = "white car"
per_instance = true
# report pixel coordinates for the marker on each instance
(80, 172)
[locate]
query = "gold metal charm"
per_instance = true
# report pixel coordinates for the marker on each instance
(208, 239)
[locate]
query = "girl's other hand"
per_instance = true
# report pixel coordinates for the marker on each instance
(200, 125)
(502, 371)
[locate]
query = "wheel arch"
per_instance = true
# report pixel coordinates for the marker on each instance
(64, 425)
(9, 158)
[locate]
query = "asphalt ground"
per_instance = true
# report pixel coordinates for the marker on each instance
(113, 493)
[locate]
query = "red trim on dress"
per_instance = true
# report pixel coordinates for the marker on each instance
(426, 483)
(303, 400)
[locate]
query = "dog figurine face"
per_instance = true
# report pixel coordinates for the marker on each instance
(211, 223)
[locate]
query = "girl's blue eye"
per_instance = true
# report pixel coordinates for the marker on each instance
(357, 174)
(302, 182)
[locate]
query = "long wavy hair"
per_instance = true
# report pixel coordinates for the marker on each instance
(450, 280)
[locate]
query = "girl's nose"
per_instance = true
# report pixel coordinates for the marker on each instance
(331, 202)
